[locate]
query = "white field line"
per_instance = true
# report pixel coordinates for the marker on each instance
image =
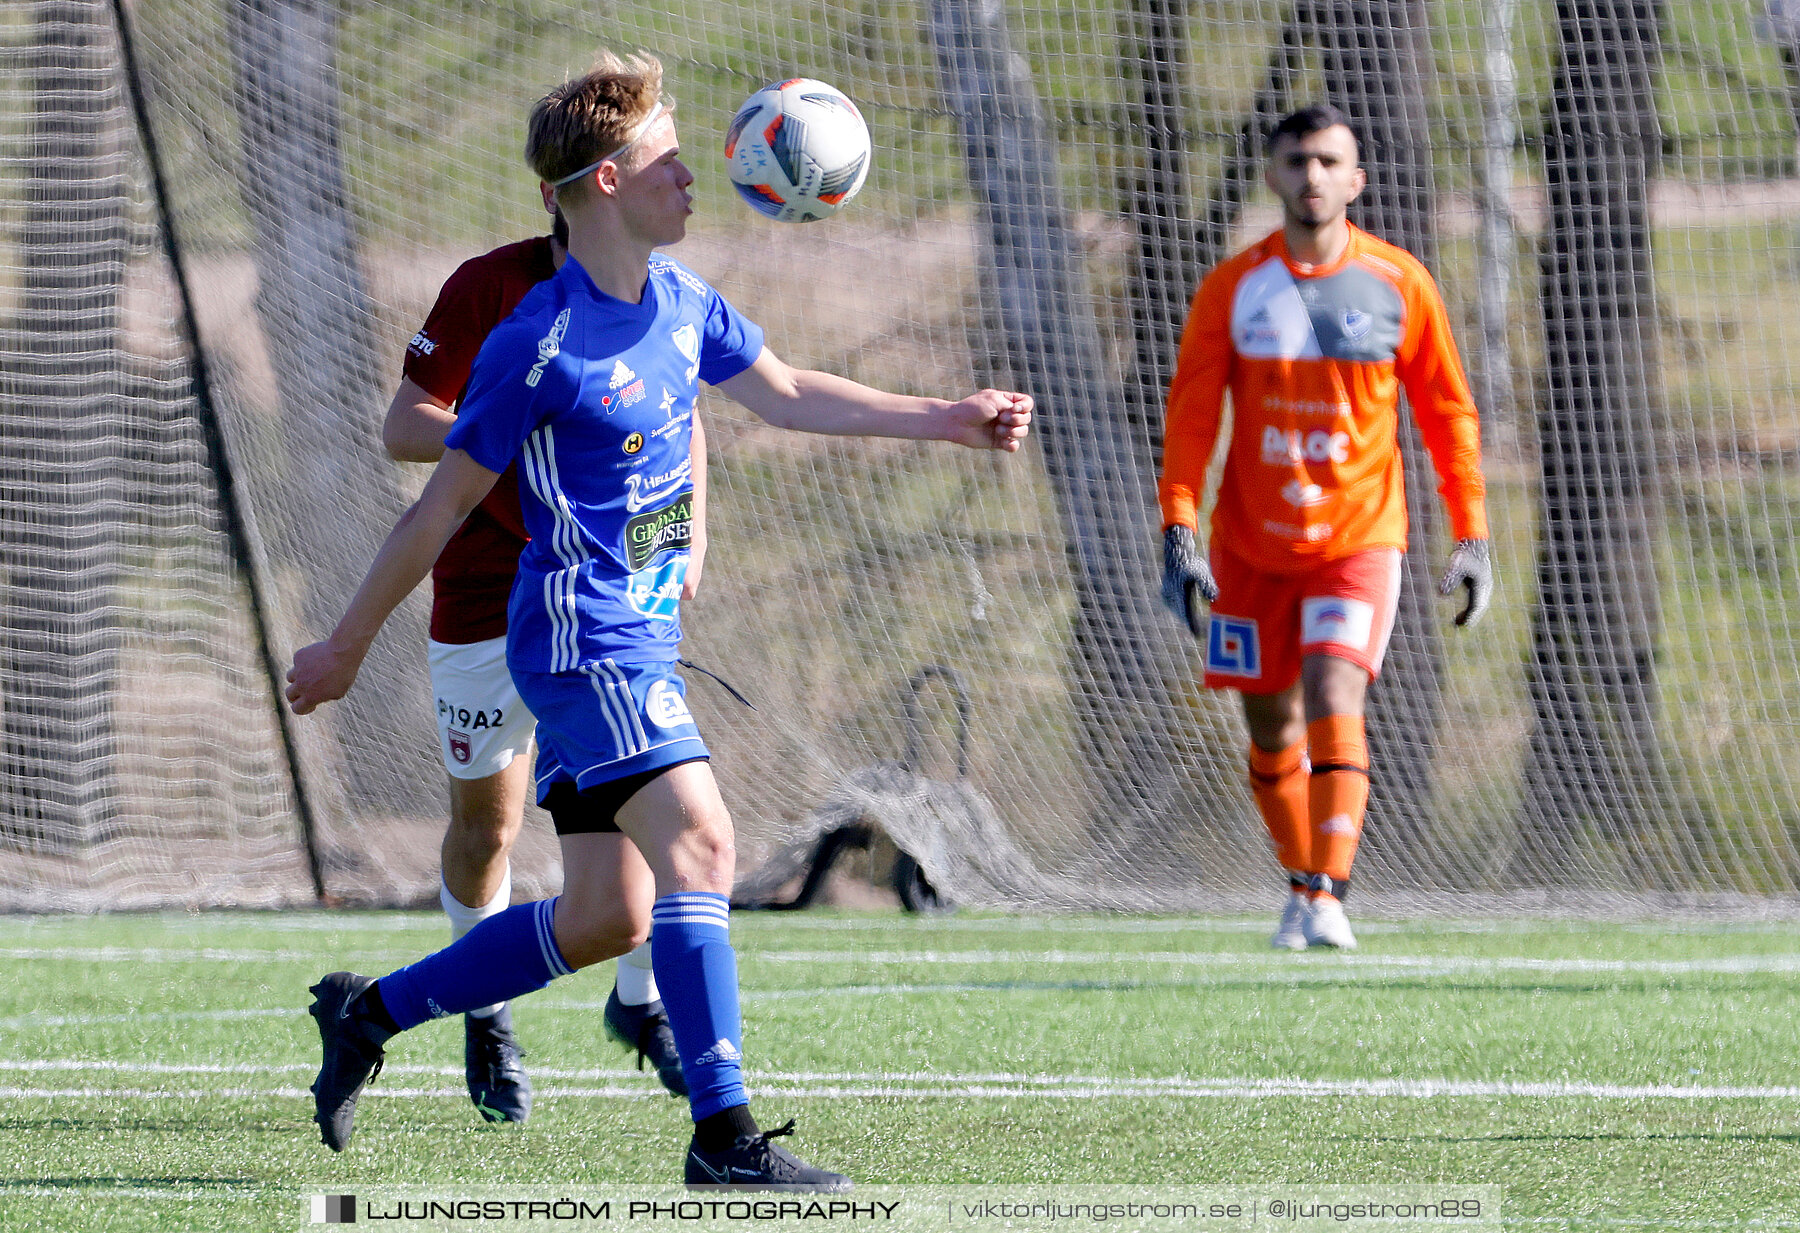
(1335, 963)
(159, 954)
(407, 922)
(189, 1195)
(908, 1085)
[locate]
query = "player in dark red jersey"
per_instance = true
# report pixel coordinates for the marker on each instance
(485, 731)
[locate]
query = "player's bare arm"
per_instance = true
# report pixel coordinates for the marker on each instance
(416, 424)
(690, 585)
(813, 401)
(325, 670)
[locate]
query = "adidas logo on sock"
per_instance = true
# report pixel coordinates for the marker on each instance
(1338, 824)
(724, 1051)
(436, 1011)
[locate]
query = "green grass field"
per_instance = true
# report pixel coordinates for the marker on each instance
(1602, 1076)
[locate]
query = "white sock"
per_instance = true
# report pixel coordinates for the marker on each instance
(464, 918)
(634, 979)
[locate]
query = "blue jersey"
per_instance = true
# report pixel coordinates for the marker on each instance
(595, 398)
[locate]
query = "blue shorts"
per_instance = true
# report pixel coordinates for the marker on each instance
(607, 721)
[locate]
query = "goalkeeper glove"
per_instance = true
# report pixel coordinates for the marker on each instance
(1470, 567)
(1185, 572)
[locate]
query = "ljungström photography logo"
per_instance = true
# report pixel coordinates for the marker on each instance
(334, 1209)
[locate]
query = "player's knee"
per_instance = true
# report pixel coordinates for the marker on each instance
(479, 843)
(482, 826)
(600, 933)
(705, 855)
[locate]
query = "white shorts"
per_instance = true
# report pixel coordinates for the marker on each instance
(482, 725)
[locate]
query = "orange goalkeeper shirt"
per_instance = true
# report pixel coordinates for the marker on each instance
(1315, 359)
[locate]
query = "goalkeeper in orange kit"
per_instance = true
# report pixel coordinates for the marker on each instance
(1313, 331)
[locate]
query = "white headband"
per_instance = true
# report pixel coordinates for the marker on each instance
(592, 167)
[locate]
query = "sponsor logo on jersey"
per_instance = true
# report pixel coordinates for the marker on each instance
(654, 532)
(643, 491)
(1296, 493)
(1333, 618)
(1232, 648)
(667, 405)
(666, 707)
(459, 746)
(548, 347)
(1257, 328)
(1276, 407)
(1293, 446)
(620, 375)
(422, 343)
(656, 592)
(633, 393)
(634, 443)
(675, 425)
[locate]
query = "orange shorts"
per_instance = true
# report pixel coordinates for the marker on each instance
(1264, 624)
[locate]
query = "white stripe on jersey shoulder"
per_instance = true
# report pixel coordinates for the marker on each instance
(1381, 265)
(1268, 319)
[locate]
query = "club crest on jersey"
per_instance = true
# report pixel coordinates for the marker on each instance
(1232, 648)
(548, 347)
(666, 707)
(687, 341)
(1356, 323)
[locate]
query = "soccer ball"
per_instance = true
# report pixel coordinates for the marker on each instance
(798, 150)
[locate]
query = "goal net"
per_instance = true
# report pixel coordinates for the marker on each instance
(964, 651)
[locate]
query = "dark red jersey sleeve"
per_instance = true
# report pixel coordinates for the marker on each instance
(440, 355)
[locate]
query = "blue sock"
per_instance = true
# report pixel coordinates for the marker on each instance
(505, 955)
(696, 970)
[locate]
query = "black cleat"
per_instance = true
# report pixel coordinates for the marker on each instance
(498, 1084)
(353, 1055)
(754, 1163)
(646, 1029)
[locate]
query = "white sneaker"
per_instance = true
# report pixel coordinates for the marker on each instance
(1325, 924)
(1290, 934)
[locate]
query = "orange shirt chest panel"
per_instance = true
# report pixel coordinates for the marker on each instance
(1314, 468)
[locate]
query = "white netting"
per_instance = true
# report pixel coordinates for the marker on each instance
(1607, 192)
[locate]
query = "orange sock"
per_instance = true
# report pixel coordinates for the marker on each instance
(1278, 782)
(1339, 792)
